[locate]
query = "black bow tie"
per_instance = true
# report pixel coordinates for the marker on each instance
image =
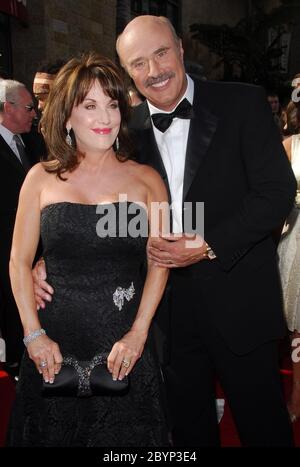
(163, 121)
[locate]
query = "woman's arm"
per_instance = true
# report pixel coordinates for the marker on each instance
(25, 240)
(130, 347)
(287, 143)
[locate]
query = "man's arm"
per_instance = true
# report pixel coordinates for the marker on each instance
(272, 185)
(271, 191)
(42, 290)
(175, 251)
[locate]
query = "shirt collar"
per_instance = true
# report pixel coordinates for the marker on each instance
(189, 95)
(6, 134)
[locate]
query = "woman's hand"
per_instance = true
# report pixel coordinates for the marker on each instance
(46, 356)
(125, 354)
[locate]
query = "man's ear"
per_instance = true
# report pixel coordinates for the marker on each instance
(7, 107)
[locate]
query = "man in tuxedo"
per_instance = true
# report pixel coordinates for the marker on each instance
(16, 116)
(221, 148)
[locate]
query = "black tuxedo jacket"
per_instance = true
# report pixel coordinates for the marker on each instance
(236, 165)
(12, 175)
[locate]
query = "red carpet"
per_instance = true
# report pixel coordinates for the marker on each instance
(229, 436)
(7, 394)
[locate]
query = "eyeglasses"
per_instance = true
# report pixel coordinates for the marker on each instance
(28, 107)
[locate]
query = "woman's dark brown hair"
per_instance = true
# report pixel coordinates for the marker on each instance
(292, 116)
(69, 89)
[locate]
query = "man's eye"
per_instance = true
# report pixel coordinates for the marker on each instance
(162, 53)
(139, 65)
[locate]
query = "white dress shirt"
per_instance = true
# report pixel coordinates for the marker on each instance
(8, 136)
(172, 147)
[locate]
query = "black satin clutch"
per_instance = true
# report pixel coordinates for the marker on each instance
(84, 379)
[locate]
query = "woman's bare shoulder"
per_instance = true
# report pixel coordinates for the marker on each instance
(38, 170)
(146, 171)
(155, 185)
(37, 177)
(287, 143)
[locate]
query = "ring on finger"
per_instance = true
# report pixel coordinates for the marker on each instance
(125, 363)
(43, 364)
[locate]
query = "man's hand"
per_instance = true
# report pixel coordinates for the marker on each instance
(173, 251)
(42, 290)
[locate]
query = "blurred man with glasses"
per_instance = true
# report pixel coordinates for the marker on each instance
(16, 116)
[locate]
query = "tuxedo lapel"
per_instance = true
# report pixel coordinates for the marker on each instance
(149, 152)
(202, 130)
(7, 153)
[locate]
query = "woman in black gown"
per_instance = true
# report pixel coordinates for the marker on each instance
(94, 251)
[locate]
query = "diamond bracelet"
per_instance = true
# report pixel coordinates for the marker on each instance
(33, 335)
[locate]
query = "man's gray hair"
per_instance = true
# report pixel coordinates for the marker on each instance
(9, 91)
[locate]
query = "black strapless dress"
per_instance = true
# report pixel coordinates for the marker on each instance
(86, 317)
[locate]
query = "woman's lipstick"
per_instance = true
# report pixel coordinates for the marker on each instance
(102, 131)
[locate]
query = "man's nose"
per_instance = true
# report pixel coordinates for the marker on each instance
(31, 112)
(153, 67)
(41, 105)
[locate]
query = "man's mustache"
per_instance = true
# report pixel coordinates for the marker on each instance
(159, 78)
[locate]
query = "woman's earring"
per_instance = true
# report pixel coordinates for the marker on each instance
(117, 143)
(68, 137)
